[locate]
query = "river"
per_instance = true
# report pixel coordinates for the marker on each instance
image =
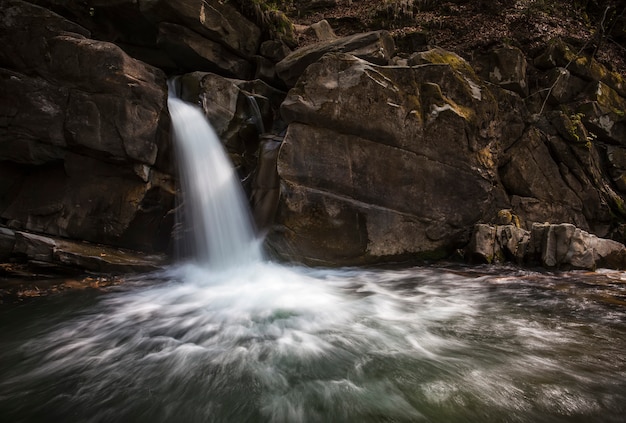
(274, 343)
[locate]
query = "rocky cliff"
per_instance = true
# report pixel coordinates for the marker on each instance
(368, 147)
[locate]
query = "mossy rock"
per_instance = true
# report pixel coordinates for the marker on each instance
(435, 103)
(607, 98)
(608, 126)
(560, 54)
(570, 127)
(438, 55)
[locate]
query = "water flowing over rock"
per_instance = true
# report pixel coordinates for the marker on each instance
(216, 212)
(239, 112)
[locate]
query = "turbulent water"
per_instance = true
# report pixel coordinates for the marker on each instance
(231, 338)
(269, 343)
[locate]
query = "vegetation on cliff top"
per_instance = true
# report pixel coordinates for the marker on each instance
(597, 27)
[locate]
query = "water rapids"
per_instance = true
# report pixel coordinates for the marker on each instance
(269, 343)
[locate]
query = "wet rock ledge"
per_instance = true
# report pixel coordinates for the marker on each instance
(552, 246)
(27, 247)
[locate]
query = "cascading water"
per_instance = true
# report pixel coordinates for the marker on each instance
(257, 117)
(216, 209)
(256, 341)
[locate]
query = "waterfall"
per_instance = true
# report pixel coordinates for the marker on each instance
(216, 210)
(256, 117)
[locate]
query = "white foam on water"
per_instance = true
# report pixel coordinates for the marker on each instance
(287, 343)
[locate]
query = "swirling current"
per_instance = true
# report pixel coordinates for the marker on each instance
(272, 343)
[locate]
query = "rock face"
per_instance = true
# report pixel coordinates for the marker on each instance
(379, 163)
(176, 35)
(370, 156)
(84, 144)
(188, 50)
(399, 162)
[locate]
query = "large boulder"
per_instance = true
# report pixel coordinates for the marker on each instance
(383, 163)
(604, 112)
(563, 86)
(84, 143)
(508, 69)
(616, 161)
(101, 99)
(189, 50)
(376, 47)
(175, 35)
(215, 20)
(498, 243)
(567, 245)
(529, 171)
(550, 245)
(560, 54)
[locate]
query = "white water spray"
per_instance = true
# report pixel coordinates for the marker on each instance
(216, 209)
